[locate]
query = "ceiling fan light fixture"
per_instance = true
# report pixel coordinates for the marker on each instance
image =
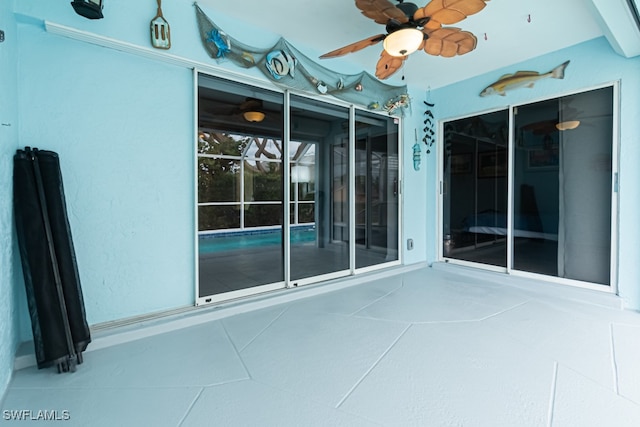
(253, 116)
(403, 42)
(568, 125)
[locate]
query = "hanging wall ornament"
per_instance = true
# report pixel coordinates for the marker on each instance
(394, 103)
(160, 35)
(284, 65)
(416, 153)
(429, 133)
(221, 42)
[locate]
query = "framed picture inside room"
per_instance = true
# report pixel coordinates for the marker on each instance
(492, 164)
(461, 163)
(543, 159)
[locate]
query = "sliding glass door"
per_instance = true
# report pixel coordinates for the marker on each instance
(475, 189)
(376, 189)
(276, 199)
(240, 181)
(559, 220)
(316, 129)
(562, 187)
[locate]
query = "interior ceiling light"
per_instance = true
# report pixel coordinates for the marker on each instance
(568, 125)
(253, 116)
(91, 9)
(407, 25)
(403, 42)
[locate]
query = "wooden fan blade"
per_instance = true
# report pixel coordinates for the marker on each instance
(381, 11)
(432, 25)
(449, 41)
(387, 65)
(449, 11)
(354, 47)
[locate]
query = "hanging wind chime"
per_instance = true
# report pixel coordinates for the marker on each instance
(429, 133)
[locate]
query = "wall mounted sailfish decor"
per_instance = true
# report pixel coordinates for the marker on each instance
(522, 79)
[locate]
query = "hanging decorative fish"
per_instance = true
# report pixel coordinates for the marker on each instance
(522, 79)
(416, 156)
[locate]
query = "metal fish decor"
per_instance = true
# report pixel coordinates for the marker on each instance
(522, 79)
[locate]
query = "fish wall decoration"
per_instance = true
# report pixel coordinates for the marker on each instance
(522, 79)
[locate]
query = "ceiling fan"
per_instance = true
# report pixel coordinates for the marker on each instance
(411, 28)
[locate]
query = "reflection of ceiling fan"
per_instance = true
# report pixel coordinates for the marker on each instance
(567, 119)
(251, 110)
(410, 28)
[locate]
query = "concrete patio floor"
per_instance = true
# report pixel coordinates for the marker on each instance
(429, 346)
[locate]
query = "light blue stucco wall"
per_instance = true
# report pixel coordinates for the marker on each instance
(592, 63)
(8, 145)
(123, 125)
(415, 209)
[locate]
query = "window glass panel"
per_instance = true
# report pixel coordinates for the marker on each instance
(376, 178)
(562, 186)
(259, 215)
(218, 217)
(475, 188)
(340, 191)
(212, 142)
(560, 221)
(264, 149)
(240, 210)
(306, 212)
(262, 181)
(218, 180)
(316, 248)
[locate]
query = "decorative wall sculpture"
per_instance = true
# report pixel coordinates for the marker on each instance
(286, 66)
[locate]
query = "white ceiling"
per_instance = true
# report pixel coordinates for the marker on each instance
(515, 30)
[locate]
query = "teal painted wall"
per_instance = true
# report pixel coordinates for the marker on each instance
(124, 128)
(8, 145)
(592, 63)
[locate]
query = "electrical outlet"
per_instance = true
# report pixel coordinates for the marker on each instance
(409, 244)
(1, 36)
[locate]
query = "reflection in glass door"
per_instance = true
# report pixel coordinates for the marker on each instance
(560, 221)
(240, 170)
(316, 249)
(562, 187)
(376, 189)
(475, 189)
(258, 233)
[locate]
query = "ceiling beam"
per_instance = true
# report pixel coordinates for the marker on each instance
(620, 24)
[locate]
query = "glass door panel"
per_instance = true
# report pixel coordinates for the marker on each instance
(340, 191)
(376, 189)
(562, 187)
(475, 189)
(240, 199)
(318, 185)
